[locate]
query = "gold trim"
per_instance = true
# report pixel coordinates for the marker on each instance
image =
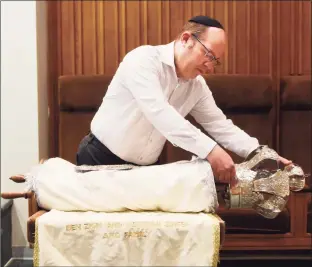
(36, 246)
(216, 239)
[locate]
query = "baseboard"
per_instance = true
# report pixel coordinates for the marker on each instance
(21, 256)
(19, 262)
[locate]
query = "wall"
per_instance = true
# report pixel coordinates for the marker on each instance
(43, 77)
(264, 36)
(22, 121)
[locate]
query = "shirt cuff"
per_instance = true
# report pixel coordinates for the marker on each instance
(252, 147)
(204, 145)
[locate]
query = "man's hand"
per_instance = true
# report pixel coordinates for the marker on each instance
(222, 165)
(284, 161)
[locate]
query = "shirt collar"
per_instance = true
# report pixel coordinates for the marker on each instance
(167, 54)
(167, 57)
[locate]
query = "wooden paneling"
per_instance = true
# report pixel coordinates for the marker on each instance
(264, 37)
(153, 22)
(295, 37)
(112, 36)
(78, 37)
(304, 37)
(96, 35)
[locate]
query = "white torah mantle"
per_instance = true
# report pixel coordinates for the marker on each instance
(184, 186)
(126, 239)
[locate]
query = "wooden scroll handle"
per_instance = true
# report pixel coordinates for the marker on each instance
(18, 178)
(16, 195)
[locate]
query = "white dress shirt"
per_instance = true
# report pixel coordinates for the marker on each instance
(146, 103)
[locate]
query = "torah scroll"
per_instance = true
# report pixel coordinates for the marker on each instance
(184, 186)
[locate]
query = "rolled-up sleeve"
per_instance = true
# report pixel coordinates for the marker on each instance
(142, 78)
(213, 120)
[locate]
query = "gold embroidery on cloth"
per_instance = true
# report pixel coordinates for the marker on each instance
(36, 246)
(216, 239)
(81, 228)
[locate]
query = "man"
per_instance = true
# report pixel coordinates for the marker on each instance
(154, 88)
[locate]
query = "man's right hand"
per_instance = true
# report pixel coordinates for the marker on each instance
(222, 165)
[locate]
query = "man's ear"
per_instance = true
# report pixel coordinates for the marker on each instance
(186, 39)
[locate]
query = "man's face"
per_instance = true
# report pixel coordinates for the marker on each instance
(200, 55)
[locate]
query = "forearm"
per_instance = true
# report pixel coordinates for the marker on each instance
(232, 138)
(221, 129)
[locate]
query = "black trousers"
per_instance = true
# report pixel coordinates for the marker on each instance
(92, 152)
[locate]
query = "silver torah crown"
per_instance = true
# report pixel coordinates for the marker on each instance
(264, 189)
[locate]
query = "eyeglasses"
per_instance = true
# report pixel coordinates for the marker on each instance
(215, 61)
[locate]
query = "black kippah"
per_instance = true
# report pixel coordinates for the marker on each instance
(207, 21)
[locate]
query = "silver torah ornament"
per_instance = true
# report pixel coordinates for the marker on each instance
(262, 185)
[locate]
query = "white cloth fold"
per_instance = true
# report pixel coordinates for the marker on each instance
(184, 186)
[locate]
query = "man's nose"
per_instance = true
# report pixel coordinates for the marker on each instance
(209, 67)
